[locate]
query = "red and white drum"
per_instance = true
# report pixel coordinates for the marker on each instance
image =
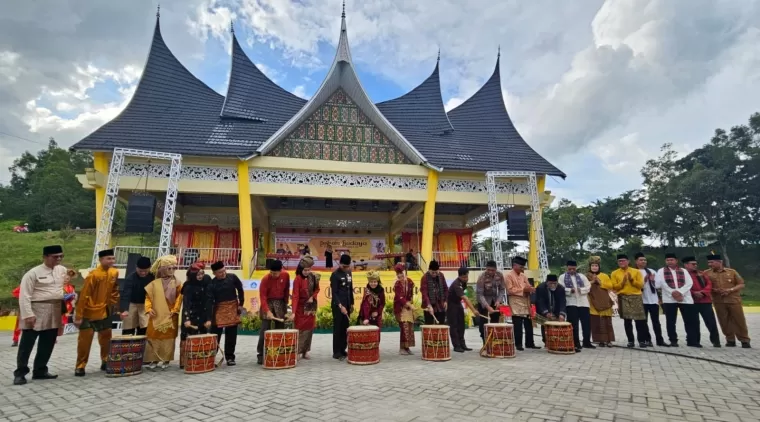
(200, 353)
(363, 345)
(559, 337)
(280, 349)
(500, 341)
(125, 356)
(435, 343)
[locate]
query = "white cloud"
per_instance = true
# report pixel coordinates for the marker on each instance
(300, 91)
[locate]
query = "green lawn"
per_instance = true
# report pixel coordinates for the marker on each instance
(22, 251)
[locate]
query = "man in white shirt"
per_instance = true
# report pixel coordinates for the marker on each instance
(41, 305)
(577, 287)
(676, 285)
(651, 301)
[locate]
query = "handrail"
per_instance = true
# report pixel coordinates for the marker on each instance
(254, 262)
(421, 263)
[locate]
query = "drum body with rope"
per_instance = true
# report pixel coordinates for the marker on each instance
(125, 356)
(363, 344)
(435, 343)
(280, 349)
(500, 341)
(559, 337)
(200, 353)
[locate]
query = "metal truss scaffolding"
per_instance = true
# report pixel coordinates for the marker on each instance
(103, 239)
(537, 226)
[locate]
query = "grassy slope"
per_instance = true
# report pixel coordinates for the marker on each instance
(21, 251)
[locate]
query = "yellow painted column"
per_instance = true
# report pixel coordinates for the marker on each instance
(533, 234)
(428, 219)
(246, 218)
(389, 242)
(100, 164)
(267, 242)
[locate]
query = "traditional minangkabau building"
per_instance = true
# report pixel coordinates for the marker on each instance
(262, 163)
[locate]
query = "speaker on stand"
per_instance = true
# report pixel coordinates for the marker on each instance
(517, 221)
(140, 214)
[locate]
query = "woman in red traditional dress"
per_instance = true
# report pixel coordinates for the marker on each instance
(305, 292)
(403, 308)
(16, 330)
(373, 302)
(70, 297)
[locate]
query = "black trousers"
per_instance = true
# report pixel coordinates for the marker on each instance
(230, 340)
(440, 316)
(340, 332)
(267, 325)
(134, 331)
(523, 323)
(642, 331)
(455, 317)
(580, 317)
(688, 314)
(44, 351)
(652, 312)
(493, 318)
(708, 316)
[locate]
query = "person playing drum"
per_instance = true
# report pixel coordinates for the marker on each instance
(197, 305)
(551, 303)
(275, 295)
(455, 311)
(373, 303)
(305, 293)
(403, 308)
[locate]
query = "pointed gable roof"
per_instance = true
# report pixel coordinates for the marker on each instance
(170, 110)
(421, 117)
(486, 138)
(255, 106)
(343, 75)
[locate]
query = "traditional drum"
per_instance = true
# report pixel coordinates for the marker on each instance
(435, 343)
(500, 341)
(200, 353)
(280, 348)
(363, 344)
(559, 337)
(125, 356)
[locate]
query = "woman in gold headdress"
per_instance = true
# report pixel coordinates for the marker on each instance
(163, 301)
(600, 304)
(373, 302)
(305, 292)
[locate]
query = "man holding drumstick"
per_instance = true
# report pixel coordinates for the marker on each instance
(274, 293)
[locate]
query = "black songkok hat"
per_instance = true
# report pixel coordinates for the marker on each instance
(107, 252)
(463, 271)
(434, 266)
(639, 255)
(622, 256)
(275, 265)
(143, 263)
(670, 255)
(216, 266)
(491, 264)
(688, 259)
(571, 263)
(52, 250)
(345, 259)
(519, 260)
(551, 277)
(713, 257)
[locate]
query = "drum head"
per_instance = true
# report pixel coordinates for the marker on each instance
(434, 327)
(363, 328)
(127, 338)
(495, 324)
(201, 336)
(557, 323)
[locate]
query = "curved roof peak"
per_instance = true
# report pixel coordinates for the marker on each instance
(342, 75)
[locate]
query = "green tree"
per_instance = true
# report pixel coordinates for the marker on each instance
(568, 230)
(662, 212)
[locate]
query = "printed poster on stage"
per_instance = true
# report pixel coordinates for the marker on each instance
(361, 249)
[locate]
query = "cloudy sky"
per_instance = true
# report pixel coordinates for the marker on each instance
(597, 86)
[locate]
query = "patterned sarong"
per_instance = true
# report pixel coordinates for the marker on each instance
(226, 314)
(631, 307)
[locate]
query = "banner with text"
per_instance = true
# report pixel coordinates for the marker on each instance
(361, 249)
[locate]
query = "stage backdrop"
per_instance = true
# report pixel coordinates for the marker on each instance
(358, 247)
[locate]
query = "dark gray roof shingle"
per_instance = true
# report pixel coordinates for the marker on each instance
(486, 139)
(171, 111)
(255, 106)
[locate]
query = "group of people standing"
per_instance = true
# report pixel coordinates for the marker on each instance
(587, 301)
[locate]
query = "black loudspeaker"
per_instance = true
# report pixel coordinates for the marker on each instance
(517, 223)
(140, 212)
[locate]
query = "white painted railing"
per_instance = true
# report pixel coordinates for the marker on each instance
(472, 260)
(185, 256)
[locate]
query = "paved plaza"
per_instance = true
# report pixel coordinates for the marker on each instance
(604, 384)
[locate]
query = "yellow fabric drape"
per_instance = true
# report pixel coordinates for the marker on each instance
(205, 241)
(447, 245)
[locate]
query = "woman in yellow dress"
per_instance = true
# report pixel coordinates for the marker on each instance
(163, 301)
(600, 304)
